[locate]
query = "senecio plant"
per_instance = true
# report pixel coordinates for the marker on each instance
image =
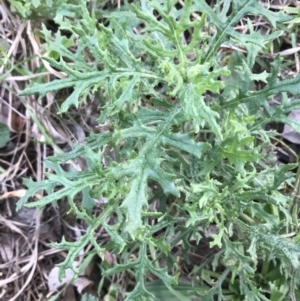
(187, 129)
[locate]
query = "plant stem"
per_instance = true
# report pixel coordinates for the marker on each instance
(294, 208)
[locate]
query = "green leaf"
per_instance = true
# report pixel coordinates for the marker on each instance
(143, 265)
(20, 7)
(4, 134)
(182, 291)
(225, 25)
(88, 297)
(274, 87)
(34, 187)
(282, 173)
(126, 95)
(290, 250)
(145, 166)
(134, 203)
(197, 111)
(254, 42)
(87, 202)
(36, 3)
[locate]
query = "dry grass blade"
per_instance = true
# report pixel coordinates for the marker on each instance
(23, 251)
(20, 251)
(35, 43)
(13, 47)
(17, 193)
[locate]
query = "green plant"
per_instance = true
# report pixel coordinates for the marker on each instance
(187, 132)
(27, 8)
(41, 9)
